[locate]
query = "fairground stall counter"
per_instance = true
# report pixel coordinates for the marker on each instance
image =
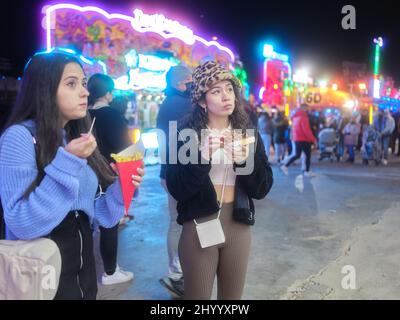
(136, 50)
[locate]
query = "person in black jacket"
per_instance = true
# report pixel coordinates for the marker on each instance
(112, 131)
(173, 109)
(224, 173)
(279, 125)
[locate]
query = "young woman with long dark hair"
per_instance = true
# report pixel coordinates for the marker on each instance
(52, 172)
(213, 186)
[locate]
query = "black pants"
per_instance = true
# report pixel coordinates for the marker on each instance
(300, 147)
(109, 248)
(73, 237)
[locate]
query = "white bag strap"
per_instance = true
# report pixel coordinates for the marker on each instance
(222, 195)
(223, 191)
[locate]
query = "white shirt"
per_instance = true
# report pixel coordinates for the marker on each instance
(220, 163)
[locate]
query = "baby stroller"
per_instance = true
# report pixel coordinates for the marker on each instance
(328, 145)
(371, 145)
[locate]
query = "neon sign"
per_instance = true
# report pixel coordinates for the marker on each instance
(276, 76)
(158, 22)
(154, 63)
(377, 83)
(142, 23)
(147, 71)
(269, 53)
(141, 80)
(148, 62)
(377, 88)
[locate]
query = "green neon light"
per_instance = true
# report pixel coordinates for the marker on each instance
(377, 58)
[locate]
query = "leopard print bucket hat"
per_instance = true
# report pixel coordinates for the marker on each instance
(206, 75)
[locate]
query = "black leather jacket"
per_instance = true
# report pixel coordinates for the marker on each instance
(191, 186)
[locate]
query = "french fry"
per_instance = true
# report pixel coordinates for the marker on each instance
(133, 152)
(118, 158)
(128, 161)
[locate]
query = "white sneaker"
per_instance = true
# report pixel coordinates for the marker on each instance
(299, 183)
(310, 174)
(119, 276)
(384, 162)
(285, 170)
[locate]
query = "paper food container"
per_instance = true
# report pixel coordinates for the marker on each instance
(127, 162)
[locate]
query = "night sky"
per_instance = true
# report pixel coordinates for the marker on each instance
(309, 31)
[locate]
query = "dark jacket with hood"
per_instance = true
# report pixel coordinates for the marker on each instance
(175, 107)
(191, 186)
(280, 126)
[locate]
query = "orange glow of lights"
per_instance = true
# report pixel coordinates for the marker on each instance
(362, 86)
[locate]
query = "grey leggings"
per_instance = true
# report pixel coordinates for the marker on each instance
(227, 261)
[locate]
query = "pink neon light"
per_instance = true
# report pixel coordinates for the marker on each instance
(132, 21)
(265, 72)
(48, 30)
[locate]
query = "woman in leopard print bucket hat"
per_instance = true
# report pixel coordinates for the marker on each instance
(208, 74)
(213, 189)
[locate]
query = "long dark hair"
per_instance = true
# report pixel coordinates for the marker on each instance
(198, 118)
(37, 101)
(99, 85)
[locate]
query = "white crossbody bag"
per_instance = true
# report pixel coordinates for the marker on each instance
(210, 233)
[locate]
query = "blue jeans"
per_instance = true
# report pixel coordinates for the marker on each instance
(174, 233)
(350, 150)
(279, 151)
(266, 138)
(385, 146)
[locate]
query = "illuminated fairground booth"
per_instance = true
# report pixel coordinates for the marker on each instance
(136, 50)
(277, 75)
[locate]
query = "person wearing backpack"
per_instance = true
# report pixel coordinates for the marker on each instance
(53, 192)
